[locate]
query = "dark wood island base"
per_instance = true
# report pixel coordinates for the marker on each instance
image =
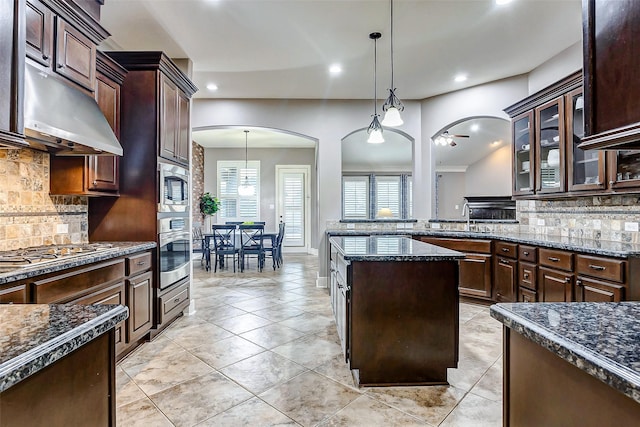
(396, 308)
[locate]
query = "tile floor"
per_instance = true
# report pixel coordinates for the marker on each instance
(262, 350)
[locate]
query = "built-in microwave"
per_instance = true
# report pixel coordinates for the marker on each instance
(174, 188)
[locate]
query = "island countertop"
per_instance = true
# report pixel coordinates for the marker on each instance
(602, 339)
(34, 336)
(390, 248)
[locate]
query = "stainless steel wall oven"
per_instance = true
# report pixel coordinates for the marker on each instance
(174, 249)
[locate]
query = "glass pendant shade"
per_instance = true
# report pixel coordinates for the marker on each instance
(375, 131)
(392, 117)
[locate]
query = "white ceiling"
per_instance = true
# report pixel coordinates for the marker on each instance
(395, 154)
(481, 143)
(283, 48)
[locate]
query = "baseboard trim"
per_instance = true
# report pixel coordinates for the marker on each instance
(321, 282)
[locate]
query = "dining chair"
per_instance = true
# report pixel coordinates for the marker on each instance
(233, 222)
(251, 244)
(198, 240)
(224, 244)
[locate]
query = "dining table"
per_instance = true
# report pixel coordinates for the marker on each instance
(208, 237)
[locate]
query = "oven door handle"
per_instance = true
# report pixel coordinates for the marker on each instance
(173, 236)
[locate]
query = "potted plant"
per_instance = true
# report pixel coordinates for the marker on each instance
(209, 205)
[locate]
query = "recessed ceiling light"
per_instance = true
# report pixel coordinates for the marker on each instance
(498, 142)
(501, 2)
(475, 127)
(460, 77)
(335, 69)
(212, 87)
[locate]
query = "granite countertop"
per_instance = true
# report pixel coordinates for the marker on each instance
(596, 247)
(390, 248)
(34, 336)
(602, 339)
(118, 249)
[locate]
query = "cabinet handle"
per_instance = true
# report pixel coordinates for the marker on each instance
(567, 280)
(597, 267)
(505, 250)
(504, 261)
(553, 259)
(177, 299)
(141, 262)
(526, 253)
(95, 182)
(578, 282)
(526, 275)
(45, 56)
(611, 182)
(60, 65)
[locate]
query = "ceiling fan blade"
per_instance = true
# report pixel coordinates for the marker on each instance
(460, 136)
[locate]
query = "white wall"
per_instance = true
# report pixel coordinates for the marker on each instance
(486, 177)
(328, 121)
(440, 111)
(451, 192)
(566, 62)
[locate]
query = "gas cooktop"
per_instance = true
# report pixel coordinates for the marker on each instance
(38, 255)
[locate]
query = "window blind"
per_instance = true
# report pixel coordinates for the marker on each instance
(355, 197)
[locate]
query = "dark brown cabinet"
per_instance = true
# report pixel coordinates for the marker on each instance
(174, 134)
(524, 154)
(550, 147)
(75, 55)
(14, 293)
(12, 57)
(139, 301)
(555, 285)
(475, 270)
(611, 40)
(505, 278)
(39, 32)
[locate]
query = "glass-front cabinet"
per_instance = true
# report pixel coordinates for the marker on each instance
(524, 149)
(624, 167)
(550, 156)
(586, 168)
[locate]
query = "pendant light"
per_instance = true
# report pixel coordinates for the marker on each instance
(246, 189)
(392, 106)
(375, 128)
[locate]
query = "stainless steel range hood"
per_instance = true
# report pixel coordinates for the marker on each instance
(64, 120)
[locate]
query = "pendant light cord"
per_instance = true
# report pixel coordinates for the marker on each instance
(391, 42)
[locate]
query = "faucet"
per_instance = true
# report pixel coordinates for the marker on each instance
(465, 211)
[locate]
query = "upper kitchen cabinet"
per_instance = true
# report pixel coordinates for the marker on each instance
(547, 130)
(94, 175)
(611, 40)
(62, 37)
(154, 74)
(12, 33)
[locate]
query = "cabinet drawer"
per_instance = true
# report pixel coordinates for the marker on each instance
(341, 270)
(69, 286)
(509, 250)
(14, 294)
(174, 301)
(527, 295)
(601, 268)
(589, 290)
(528, 253)
(462, 245)
(527, 275)
(560, 260)
(138, 263)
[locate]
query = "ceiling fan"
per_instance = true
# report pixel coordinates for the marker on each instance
(447, 139)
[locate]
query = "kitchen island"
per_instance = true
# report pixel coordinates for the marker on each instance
(571, 363)
(395, 300)
(57, 364)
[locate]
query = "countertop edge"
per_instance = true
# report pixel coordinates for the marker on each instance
(504, 237)
(452, 256)
(38, 358)
(127, 249)
(611, 373)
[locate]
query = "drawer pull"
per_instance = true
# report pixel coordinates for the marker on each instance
(141, 263)
(579, 282)
(526, 275)
(553, 259)
(504, 261)
(176, 299)
(505, 250)
(567, 280)
(597, 267)
(526, 253)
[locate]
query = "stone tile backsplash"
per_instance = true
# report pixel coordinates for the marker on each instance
(29, 216)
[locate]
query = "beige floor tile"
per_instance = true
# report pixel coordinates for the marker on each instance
(467, 374)
(165, 372)
(126, 390)
(309, 322)
(309, 398)
(338, 370)
(262, 371)
(161, 346)
(196, 400)
(273, 335)
(367, 412)
(430, 404)
(278, 313)
(243, 323)
(141, 413)
(253, 412)
(194, 335)
(216, 314)
(490, 385)
(310, 351)
(226, 352)
(475, 411)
